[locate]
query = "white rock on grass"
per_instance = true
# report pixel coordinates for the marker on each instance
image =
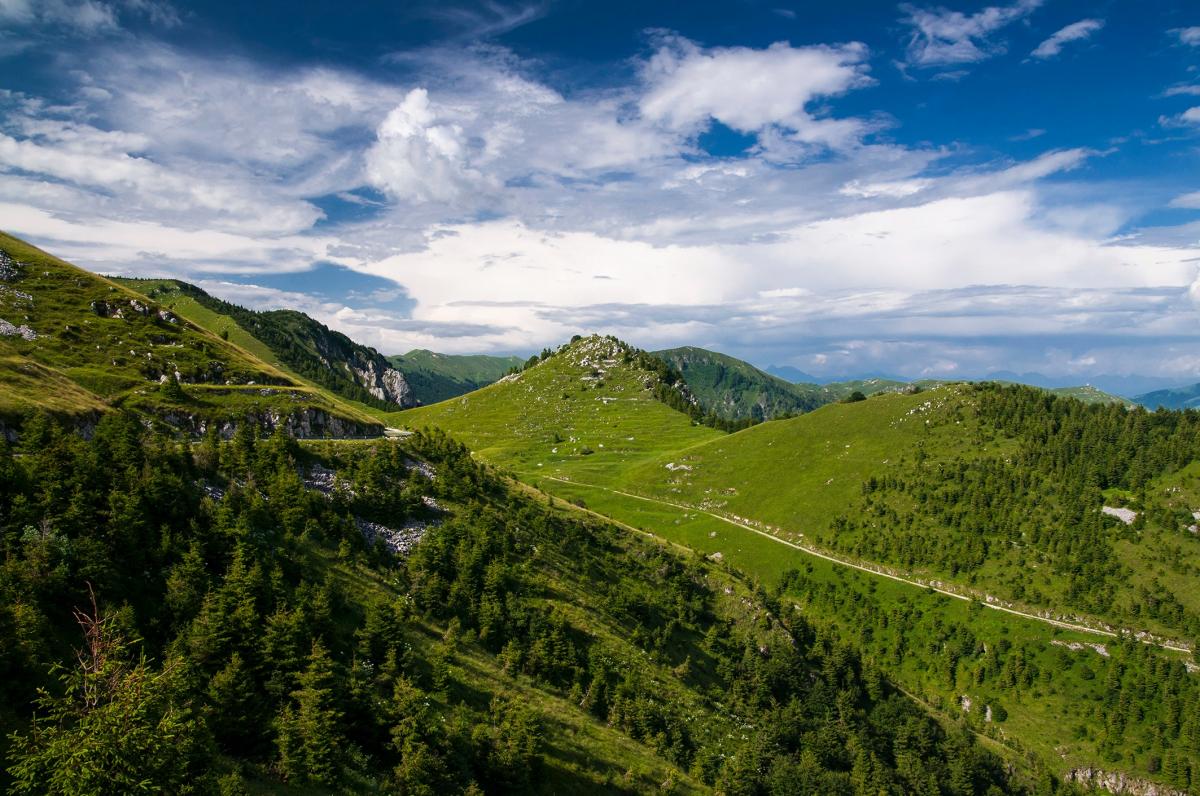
(1126, 516)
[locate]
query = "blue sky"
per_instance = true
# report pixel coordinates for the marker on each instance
(923, 189)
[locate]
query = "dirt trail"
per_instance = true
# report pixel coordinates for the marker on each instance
(842, 562)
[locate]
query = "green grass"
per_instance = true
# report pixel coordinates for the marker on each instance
(167, 292)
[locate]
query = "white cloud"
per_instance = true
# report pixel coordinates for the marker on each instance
(941, 37)
(1190, 36)
(892, 190)
(420, 155)
(751, 90)
(85, 18)
(1186, 119)
(1076, 31)
(1190, 201)
(948, 267)
(1183, 90)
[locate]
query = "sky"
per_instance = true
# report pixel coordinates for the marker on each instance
(849, 188)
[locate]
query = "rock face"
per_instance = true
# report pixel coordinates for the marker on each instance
(366, 366)
(382, 380)
(1116, 782)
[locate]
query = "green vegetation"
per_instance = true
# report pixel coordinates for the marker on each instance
(240, 633)
(293, 341)
(77, 345)
(438, 377)
(993, 491)
(736, 390)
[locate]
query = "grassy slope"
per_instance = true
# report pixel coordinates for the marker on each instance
(798, 474)
(795, 473)
(98, 361)
(437, 377)
(736, 390)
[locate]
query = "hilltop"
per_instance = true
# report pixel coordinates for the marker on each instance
(434, 377)
(593, 403)
(80, 345)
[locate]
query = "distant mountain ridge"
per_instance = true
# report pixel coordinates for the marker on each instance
(437, 377)
(1175, 398)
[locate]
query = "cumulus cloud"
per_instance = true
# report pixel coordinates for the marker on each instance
(420, 155)
(1189, 36)
(941, 37)
(951, 267)
(751, 90)
(1076, 31)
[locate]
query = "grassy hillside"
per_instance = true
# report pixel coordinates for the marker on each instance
(1176, 398)
(736, 390)
(936, 484)
(292, 341)
(79, 344)
(437, 377)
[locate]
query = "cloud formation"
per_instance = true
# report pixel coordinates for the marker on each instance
(511, 213)
(943, 37)
(753, 90)
(1076, 31)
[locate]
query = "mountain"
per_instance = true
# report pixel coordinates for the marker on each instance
(736, 390)
(837, 390)
(1174, 398)
(293, 341)
(434, 377)
(859, 513)
(80, 345)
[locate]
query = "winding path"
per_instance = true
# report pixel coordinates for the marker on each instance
(817, 553)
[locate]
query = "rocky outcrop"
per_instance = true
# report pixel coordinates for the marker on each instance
(306, 423)
(1116, 782)
(381, 380)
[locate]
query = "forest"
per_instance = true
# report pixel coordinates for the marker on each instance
(183, 617)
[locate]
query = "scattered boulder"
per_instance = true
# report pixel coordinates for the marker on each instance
(9, 330)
